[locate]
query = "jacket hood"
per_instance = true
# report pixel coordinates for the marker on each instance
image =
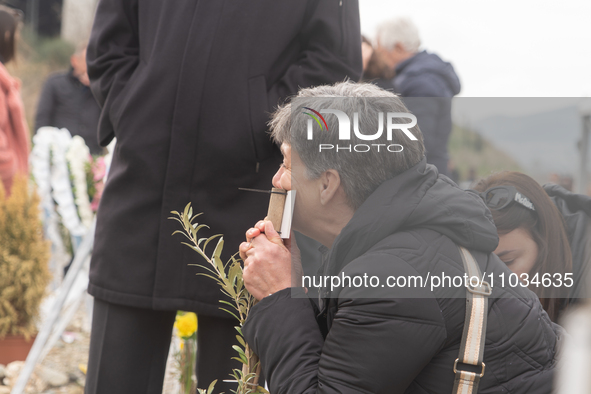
(424, 62)
(576, 211)
(568, 202)
(417, 198)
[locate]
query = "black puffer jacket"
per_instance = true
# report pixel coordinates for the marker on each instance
(390, 343)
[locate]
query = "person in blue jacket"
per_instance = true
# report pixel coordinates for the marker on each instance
(425, 82)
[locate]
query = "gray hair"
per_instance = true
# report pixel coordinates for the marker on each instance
(360, 173)
(399, 30)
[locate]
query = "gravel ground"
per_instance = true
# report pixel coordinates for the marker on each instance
(71, 359)
(68, 357)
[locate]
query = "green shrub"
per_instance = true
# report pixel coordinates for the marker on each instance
(24, 256)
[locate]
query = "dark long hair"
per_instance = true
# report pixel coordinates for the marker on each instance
(546, 227)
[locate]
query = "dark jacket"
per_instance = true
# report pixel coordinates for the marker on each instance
(426, 75)
(187, 90)
(390, 343)
(66, 103)
(576, 211)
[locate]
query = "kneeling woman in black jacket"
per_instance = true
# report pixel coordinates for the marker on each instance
(545, 234)
(391, 228)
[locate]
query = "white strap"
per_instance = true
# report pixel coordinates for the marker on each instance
(474, 335)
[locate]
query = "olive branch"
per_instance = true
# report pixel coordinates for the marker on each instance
(229, 277)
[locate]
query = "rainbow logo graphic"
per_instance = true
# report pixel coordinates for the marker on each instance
(316, 118)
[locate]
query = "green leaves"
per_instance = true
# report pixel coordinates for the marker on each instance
(241, 354)
(209, 390)
(229, 277)
(211, 386)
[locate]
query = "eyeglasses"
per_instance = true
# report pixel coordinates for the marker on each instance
(499, 197)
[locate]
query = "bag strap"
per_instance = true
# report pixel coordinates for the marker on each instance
(474, 335)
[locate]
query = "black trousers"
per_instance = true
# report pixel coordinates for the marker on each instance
(129, 347)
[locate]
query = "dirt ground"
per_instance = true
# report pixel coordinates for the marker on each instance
(69, 357)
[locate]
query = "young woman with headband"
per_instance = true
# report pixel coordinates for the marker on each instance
(535, 239)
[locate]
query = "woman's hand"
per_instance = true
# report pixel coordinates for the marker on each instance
(267, 261)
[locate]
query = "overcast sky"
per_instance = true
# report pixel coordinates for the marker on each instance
(519, 48)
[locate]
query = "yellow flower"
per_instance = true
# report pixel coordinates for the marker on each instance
(186, 324)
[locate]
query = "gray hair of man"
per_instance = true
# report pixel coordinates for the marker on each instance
(361, 172)
(399, 30)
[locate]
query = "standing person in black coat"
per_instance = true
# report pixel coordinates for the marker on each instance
(67, 102)
(388, 223)
(426, 78)
(186, 87)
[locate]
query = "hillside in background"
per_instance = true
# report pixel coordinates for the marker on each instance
(545, 141)
(541, 133)
(469, 150)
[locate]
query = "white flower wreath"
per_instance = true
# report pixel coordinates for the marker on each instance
(78, 158)
(50, 169)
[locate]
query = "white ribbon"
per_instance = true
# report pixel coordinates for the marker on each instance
(78, 156)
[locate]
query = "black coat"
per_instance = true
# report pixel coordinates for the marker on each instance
(67, 103)
(390, 343)
(187, 88)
